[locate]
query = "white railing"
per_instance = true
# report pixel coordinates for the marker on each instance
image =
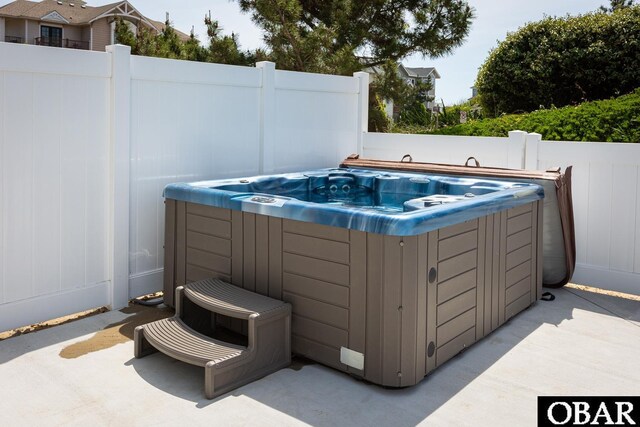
(88, 140)
(606, 190)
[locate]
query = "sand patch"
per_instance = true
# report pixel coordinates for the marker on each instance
(51, 323)
(116, 333)
(603, 292)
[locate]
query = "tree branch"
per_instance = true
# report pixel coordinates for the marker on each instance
(292, 41)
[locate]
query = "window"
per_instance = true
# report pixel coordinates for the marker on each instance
(51, 36)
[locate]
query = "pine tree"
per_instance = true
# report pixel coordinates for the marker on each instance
(224, 49)
(342, 36)
(168, 44)
(617, 5)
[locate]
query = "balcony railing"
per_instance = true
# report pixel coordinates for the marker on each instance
(76, 44)
(12, 39)
(49, 41)
(58, 42)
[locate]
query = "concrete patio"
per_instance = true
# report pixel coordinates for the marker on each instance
(83, 372)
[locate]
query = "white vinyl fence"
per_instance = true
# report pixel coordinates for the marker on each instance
(606, 190)
(606, 203)
(54, 182)
(88, 140)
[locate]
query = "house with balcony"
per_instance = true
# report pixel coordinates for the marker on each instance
(69, 23)
(412, 76)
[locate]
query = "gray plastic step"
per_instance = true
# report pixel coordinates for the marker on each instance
(221, 297)
(227, 366)
(174, 338)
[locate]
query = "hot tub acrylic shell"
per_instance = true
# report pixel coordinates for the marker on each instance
(397, 203)
(401, 305)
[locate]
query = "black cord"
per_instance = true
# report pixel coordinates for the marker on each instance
(149, 302)
(548, 296)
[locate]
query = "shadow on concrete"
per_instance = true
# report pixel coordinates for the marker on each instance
(318, 395)
(627, 309)
(106, 336)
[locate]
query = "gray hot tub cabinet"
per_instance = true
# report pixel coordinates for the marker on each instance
(386, 308)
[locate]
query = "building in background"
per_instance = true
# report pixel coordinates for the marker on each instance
(69, 23)
(423, 74)
(474, 92)
(412, 76)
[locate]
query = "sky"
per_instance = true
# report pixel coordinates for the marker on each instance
(494, 19)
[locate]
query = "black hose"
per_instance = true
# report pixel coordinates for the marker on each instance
(548, 296)
(149, 302)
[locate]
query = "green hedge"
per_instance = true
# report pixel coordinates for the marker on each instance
(562, 61)
(612, 120)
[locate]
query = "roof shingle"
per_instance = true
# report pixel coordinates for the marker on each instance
(76, 14)
(421, 71)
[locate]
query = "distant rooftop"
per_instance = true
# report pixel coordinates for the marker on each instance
(73, 12)
(421, 71)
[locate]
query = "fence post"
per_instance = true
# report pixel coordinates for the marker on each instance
(515, 149)
(267, 116)
(363, 108)
(119, 167)
(531, 155)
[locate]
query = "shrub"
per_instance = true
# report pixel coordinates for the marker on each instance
(378, 119)
(423, 121)
(563, 61)
(415, 115)
(613, 120)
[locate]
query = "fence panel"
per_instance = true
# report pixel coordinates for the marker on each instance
(54, 182)
(606, 196)
(490, 151)
(315, 123)
(189, 121)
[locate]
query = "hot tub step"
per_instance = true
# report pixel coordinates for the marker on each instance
(174, 338)
(227, 366)
(224, 298)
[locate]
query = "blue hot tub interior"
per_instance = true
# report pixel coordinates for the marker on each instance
(366, 200)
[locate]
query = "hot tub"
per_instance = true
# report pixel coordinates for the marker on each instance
(389, 274)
